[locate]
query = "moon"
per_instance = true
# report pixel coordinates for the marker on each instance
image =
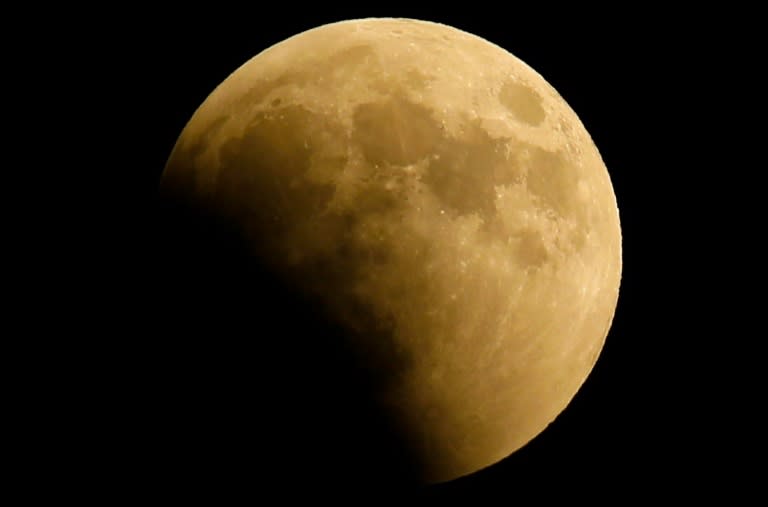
(438, 201)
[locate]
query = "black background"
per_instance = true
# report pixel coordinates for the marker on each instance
(648, 422)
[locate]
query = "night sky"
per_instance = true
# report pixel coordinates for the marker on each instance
(633, 431)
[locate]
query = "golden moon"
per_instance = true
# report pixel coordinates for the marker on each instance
(440, 202)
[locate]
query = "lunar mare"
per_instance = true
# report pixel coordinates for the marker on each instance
(441, 202)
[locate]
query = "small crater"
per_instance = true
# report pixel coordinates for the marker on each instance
(523, 102)
(276, 102)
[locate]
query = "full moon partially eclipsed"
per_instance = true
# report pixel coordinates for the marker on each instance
(437, 201)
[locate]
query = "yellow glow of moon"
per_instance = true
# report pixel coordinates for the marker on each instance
(441, 202)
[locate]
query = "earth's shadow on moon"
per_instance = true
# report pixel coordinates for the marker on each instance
(251, 390)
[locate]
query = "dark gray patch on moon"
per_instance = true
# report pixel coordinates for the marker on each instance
(531, 251)
(378, 200)
(464, 172)
(395, 131)
(204, 140)
(552, 180)
(262, 176)
(523, 102)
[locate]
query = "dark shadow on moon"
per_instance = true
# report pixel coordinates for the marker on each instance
(245, 388)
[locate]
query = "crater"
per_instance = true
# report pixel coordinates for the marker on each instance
(523, 102)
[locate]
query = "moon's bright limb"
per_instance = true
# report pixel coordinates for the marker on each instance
(444, 205)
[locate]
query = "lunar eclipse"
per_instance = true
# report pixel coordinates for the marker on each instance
(433, 225)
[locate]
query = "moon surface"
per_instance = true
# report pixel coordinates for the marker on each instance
(437, 200)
